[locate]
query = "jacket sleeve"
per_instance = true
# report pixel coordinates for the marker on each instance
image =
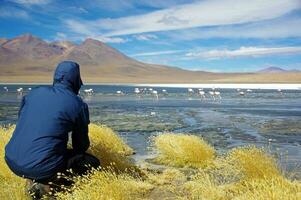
(80, 138)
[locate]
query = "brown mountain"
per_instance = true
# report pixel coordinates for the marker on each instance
(2, 41)
(30, 59)
(276, 70)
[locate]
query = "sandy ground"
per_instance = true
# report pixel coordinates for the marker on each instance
(198, 78)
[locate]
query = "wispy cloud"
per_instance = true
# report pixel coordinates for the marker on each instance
(110, 39)
(80, 29)
(10, 12)
(245, 52)
(157, 53)
(279, 28)
(145, 37)
(198, 14)
(32, 2)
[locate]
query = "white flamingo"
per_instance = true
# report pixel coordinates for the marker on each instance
(212, 94)
(190, 91)
(217, 94)
(164, 92)
(20, 90)
(89, 91)
(202, 94)
(137, 91)
(155, 93)
(119, 92)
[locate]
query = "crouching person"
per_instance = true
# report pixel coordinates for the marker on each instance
(37, 149)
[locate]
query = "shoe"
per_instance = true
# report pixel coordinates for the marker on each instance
(36, 190)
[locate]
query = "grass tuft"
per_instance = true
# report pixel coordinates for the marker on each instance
(183, 150)
(245, 173)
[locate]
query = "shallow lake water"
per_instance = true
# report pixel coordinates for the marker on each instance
(267, 118)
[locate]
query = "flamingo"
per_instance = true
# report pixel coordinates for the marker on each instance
(164, 92)
(202, 93)
(212, 94)
(89, 91)
(137, 91)
(217, 94)
(20, 90)
(190, 91)
(155, 92)
(119, 92)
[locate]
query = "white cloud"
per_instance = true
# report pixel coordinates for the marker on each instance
(79, 27)
(245, 52)
(280, 28)
(145, 37)
(156, 53)
(13, 13)
(198, 14)
(32, 2)
(110, 39)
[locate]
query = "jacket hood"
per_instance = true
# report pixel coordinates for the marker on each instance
(67, 73)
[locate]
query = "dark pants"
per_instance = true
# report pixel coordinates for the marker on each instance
(76, 165)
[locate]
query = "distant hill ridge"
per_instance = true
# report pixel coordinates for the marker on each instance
(27, 58)
(276, 70)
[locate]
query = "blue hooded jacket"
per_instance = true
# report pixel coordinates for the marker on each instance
(37, 148)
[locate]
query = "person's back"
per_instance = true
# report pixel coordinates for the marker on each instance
(38, 147)
(40, 138)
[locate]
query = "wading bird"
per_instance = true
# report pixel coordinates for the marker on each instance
(137, 91)
(202, 93)
(89, 91)
(212, 94)
(119, 92)
(20, 90)
(217, 94)
(190, 91)
(155, 93)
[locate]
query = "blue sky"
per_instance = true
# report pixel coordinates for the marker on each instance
(211, 35)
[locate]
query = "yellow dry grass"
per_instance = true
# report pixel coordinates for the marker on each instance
(106, 185)
(254, 162)
(107, 138)
(243, 173)
(183, 150)
(12, 186)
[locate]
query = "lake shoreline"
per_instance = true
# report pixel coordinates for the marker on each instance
(282, 86)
